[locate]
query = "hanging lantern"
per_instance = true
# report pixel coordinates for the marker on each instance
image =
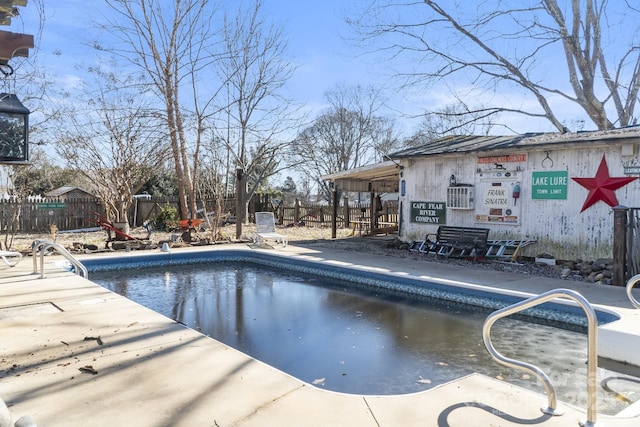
(14, 130)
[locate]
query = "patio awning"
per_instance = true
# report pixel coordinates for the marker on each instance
(380, 178)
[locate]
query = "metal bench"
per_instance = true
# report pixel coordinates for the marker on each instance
(458, 242)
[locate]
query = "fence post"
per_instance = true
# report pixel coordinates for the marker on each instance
(281, 214)
(373, 220)
(296, 212)
(334, 212)
(347, 220)
(620, 218)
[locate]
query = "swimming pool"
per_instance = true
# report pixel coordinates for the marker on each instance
(379, 335)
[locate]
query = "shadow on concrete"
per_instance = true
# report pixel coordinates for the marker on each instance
(444, 415)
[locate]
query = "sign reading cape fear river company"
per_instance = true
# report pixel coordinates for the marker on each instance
(429, 212)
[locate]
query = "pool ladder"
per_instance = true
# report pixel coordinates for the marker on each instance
(43, 245)
(630, 284)
(592, 352)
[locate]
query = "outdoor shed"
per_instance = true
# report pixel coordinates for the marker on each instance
(68, 192)
(556, 189)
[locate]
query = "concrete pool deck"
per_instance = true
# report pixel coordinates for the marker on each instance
(75, 354)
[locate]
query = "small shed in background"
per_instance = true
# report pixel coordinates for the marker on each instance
(68, 192)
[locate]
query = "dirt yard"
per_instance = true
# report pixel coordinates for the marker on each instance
(98, 239)
(387, 245)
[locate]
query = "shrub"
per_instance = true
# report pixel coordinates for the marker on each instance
(166, 219)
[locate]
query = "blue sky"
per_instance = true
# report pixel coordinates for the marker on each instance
(315, 30)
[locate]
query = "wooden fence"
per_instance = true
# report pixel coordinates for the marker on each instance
(322, 215)
(39, 216)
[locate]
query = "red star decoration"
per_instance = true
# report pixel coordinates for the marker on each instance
(602, 187)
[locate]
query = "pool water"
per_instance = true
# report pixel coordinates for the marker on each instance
(342, 337)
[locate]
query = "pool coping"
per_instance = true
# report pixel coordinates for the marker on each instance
(206, 381)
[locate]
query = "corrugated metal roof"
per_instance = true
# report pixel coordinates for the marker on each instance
(375, 171)
(379, 177)
(384, 176)
(475, 143)
(56, 192)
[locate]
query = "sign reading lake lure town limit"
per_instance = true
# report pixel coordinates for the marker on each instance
(429, 212)
(549, 185)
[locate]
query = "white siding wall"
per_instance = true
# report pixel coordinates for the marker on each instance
(561, 229)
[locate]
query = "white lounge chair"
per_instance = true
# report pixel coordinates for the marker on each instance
(11, 258)
(266, 229)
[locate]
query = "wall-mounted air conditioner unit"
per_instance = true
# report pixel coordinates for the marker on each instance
(460, 197)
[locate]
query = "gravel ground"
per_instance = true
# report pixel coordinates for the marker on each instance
(389, 246)
(89, 241)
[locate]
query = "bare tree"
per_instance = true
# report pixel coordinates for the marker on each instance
(170, 42)
(456, 119)
(41, 175)
(255, 69)
(574, 50)
(348, 135)
(115, 141)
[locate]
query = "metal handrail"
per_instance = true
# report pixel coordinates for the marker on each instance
(35, 247)
(43, 245)
(592, 344)
(630, 284)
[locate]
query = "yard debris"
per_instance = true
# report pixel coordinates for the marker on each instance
(96, 339)
(423, 380)
(84, 247)
(88, 369)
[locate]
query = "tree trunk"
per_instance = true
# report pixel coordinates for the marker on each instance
(241, 183)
